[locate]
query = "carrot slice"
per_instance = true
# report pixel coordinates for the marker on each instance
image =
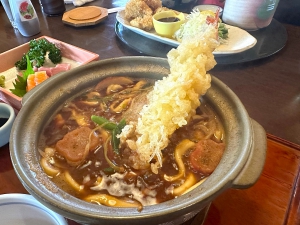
(35, 79)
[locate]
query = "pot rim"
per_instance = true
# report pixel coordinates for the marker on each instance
(62, 202)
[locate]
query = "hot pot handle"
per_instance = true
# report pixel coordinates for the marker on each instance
(256, 161)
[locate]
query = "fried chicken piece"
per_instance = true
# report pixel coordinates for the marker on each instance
(137, 8)
(153, 4)
(144, 23)
(139, 12)
(162, 9)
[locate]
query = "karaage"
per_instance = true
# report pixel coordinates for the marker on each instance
(139, 12)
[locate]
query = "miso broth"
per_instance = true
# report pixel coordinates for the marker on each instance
(81, 158)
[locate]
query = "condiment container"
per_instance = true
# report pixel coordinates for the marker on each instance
(25, 17)
(166, 23)
(53, 7)
(249, 15)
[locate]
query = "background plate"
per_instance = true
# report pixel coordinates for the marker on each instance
(238, 40)
(269, 41)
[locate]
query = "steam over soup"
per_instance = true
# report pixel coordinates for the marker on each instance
(83, 154)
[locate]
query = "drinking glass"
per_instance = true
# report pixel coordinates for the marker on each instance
(53, 7)
(7, 10)
(249, 14)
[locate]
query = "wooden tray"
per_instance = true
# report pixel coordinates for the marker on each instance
(85, 16)
(274, 199)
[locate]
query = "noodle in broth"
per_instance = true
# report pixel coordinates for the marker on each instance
(81, 156)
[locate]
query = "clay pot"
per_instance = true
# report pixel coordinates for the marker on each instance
(240, 166)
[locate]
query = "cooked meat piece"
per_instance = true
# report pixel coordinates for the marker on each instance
(73, 145)
(137, 8)
(132, 113)
(206, 156)
(139, 12)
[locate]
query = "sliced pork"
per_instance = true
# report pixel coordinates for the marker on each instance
(62, 67)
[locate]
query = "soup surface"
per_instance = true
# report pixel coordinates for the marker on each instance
(83, 155)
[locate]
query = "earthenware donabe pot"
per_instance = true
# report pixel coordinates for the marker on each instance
(240, 167)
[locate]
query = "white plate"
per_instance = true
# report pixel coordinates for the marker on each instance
(238, 40)
(22, 209)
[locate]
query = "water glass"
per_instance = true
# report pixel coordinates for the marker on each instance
(53, 7)
(5, 4)
(249, 15)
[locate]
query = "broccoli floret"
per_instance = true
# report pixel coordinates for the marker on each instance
(37, 53)
(223, 31)
(37, 56)
(54, 54)
(21, 64)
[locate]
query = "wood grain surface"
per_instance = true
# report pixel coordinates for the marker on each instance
(85, 16)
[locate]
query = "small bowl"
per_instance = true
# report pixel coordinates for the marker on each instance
(167, 29)
(24, 209)
(7, 114)
(213, 8)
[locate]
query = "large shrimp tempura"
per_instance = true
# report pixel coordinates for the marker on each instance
(174, 100)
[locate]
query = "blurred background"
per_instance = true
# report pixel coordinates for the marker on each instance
(288, 11)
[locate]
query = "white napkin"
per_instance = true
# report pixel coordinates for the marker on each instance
(77, 2)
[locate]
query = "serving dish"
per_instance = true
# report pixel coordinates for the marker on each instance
(238, 41)
(9, 58)
(24, 209)
(240, 166)
(267, 44)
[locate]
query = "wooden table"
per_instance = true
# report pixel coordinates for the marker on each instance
(269, 89)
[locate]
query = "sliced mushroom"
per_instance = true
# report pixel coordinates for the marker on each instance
(108, 200)
(93, 95)
(80, 119)
(117, 108)
(113, 88)
(139, 85)
(90, 103)
(113, 80)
